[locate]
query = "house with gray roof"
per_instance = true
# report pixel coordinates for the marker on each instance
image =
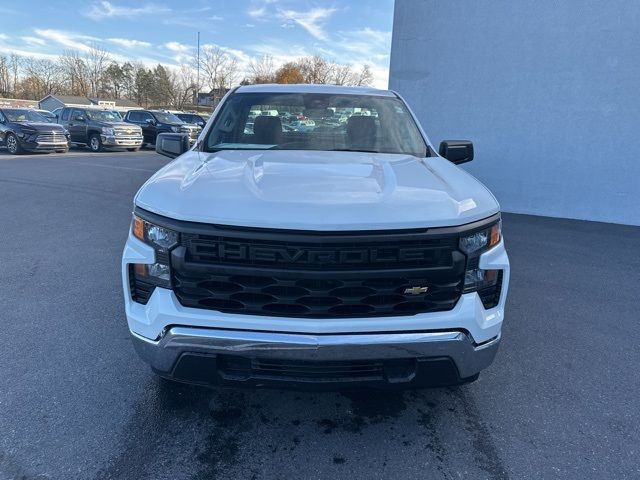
(53, 101)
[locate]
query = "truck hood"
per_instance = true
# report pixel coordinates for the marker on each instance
(40, 127)
(313, 190)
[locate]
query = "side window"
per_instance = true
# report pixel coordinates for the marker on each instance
(146, 116)
(133, 116)
(76, 113)
(2, 118)
(65, 114)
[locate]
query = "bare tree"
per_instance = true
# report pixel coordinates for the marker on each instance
(15, 64)
(219, 67)
(76, 73)
(185, 86)
(365, 77)
(343, 75)
(262, 69)
(97, 60)
(43, 77)
(5, 76)
(316, 69)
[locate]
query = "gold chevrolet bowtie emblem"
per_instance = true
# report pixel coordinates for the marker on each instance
(415, 290)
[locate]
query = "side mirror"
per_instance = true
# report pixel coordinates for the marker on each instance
(172, 145)
(78, 118)
(456, 151)
(150, 121)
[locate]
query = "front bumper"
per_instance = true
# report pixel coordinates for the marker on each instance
(119, 141)
(169, 336)
(44, 146)
(214, 356)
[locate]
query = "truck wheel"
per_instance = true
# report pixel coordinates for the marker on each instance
(13, 145)
(95, 144)
(133, 149)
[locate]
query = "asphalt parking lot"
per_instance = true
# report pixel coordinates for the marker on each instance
(560, 401)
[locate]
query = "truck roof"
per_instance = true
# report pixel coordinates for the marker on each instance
(311, 88)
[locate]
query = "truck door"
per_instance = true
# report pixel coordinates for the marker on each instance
(77, 126)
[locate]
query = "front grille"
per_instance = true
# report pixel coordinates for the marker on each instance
(193, 132)
(53, 137)
(241, 368)
(353, 274)
(126, 132)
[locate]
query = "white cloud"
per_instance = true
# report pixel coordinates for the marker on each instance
(129, 43)
(29, 40)
(4, 36)
(311, 20)
(177, 47)
(106, 9)
(67, 39)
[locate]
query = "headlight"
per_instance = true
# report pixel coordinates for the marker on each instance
(154, 235)
(108, 131)
(485, 282)
(175, 129)
(162, 240)
(482, 240)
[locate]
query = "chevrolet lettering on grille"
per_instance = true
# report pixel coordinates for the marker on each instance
(235, 252)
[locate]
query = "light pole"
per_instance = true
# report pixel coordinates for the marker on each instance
(198, 75)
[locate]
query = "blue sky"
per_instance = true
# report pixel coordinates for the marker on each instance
(346, 31)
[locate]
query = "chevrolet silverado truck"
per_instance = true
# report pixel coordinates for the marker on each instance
(24, 130)
(155, 122)
(100, 129)
(346, 255)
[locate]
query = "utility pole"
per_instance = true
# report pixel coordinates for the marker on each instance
(198, 75)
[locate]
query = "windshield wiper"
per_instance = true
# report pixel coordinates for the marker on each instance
(353, 150)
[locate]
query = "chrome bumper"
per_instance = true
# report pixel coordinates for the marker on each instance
(468, 357)
(121, 141)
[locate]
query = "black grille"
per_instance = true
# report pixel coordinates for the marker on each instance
(318, 275)
(237, 368)
(490, 296)
(140, 290)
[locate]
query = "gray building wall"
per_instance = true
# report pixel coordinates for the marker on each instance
(50, 103)
(548, 91)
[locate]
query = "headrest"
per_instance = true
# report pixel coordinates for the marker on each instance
(361, 132)
(267, 130)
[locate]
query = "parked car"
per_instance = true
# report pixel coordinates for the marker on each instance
(22, 129)
(192, 119)
(99, 129)
(355, 257)
(49, 116)
(154, 122)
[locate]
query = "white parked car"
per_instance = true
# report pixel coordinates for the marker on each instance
(350, 254)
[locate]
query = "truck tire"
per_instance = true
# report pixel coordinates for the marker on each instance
(13, 144)
(95, 144)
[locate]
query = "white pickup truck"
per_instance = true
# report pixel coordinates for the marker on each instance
(350, 254)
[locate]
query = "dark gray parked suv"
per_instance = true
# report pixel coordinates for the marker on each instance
(100, 129)
(154, 122)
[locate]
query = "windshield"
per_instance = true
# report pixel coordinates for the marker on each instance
(103, 116)
(314, 121)
(165, 117)
(23, 115)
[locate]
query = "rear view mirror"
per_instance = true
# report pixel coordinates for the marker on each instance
(456, 151)
(172, 145)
